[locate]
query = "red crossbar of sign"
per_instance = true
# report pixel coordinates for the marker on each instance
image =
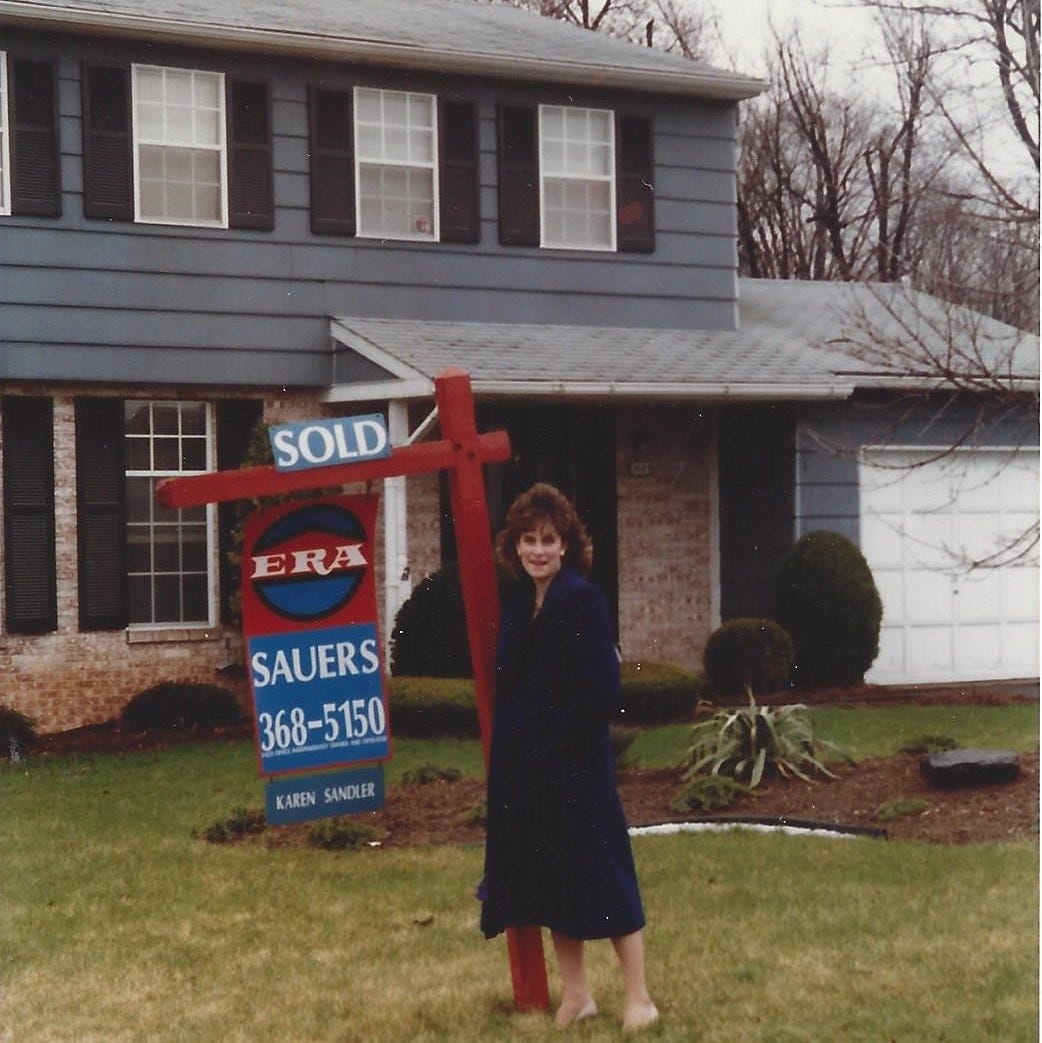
(461, 454)
(249, 483)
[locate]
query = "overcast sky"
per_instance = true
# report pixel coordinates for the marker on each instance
(745, 28)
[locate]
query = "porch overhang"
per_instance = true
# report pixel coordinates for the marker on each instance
(380, 359)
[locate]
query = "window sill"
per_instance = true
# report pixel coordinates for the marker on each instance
(172, 635)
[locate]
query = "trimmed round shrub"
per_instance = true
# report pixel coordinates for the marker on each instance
(17, 733)
(430, 632)
(748, 653)
(827, 600)
(181, 705)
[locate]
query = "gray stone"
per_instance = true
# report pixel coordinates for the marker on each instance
(955, 768)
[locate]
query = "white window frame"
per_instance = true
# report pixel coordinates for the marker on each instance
(5, 139)
(548, 173)
(362, 158)
(153, 473)
(220, 147)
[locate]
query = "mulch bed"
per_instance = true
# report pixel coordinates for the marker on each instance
(442, 812)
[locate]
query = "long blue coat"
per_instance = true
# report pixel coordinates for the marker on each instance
(557, 852)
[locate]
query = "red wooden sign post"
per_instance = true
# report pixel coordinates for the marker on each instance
(461, 453)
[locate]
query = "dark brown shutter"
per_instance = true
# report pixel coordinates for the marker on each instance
(635, 184)
(101, 517)
(518, 176)
(458, 179)
(29, 570)
(251, 194)
(35, 157)
(236, 420)
(108, 180)
(332, 167)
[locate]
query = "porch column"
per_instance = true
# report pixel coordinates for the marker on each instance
(397, 585)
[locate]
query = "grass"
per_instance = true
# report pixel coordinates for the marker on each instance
(118, 927)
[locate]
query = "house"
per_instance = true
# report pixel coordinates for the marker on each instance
(214, 214)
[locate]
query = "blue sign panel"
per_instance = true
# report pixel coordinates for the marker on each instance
(319, 698)
(306, 797)
(335, 440)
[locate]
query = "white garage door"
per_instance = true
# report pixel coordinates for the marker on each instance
(922, 521)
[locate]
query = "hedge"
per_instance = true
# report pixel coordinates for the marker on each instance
(432, 707)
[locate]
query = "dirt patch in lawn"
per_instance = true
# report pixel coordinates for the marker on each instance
(860, 795)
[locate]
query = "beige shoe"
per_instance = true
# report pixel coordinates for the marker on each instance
(565, 1018)
(640, 1018)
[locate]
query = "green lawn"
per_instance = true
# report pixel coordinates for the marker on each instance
(878, 732)
(118, 926)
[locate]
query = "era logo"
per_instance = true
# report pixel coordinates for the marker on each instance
(310, 562)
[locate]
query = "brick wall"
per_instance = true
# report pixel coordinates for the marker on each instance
(666, 533)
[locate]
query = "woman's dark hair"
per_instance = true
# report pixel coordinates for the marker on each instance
(544, 504)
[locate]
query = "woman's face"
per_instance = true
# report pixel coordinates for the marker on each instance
(540, 551)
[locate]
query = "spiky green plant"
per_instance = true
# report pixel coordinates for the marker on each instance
(752, 741)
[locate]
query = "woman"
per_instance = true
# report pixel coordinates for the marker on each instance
(557, 851)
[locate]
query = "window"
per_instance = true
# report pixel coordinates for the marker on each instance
(179, 146)
(396, 157)
(169, 552)
(5, 141)
(393, 165)
(577, 177)
(572, 178)
(138, 563)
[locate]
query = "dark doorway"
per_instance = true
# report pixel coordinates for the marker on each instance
(572, 447)
(757, 469)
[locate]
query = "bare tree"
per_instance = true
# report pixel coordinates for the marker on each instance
(669, 25)
(829, 185)
(979, 228)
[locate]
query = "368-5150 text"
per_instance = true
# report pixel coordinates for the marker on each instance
(351, 721)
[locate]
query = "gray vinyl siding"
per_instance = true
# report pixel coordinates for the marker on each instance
(86, 299)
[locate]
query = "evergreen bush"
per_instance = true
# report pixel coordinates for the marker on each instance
(429, 638)
(17, 733)
(827, 600)
(436, 707)
(432, 707)
(748, 653)
(653, 693)
(180, 705)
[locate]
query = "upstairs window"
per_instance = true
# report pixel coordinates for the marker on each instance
(179, 147)
(169, 551)
(577, 177)
(176, 146)
(5, 141)
(393, 165)
(396, 162)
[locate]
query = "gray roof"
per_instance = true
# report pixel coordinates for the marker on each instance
(461, 36)
(797, 340)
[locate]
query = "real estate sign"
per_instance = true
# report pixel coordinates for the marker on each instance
(309, 619)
